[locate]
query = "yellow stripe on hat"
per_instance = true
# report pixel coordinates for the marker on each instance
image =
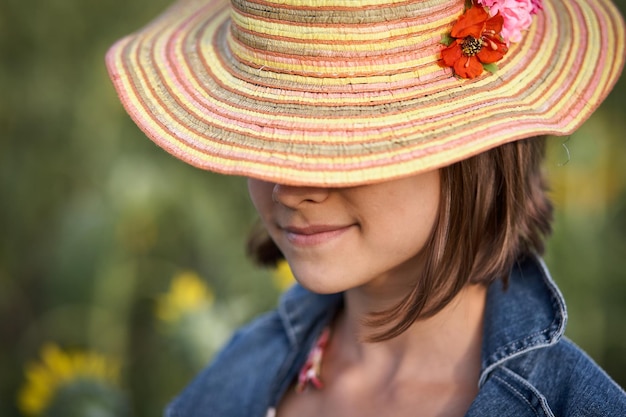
(339, 34)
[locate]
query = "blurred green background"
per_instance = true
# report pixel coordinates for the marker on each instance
(122, 269)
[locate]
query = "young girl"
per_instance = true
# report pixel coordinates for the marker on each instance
(393, 150)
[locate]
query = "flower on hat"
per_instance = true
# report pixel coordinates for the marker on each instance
(537, 5)
(483, 33)
(517, 16)
(475, 42)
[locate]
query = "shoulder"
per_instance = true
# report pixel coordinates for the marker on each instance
(246, 374)
(571, 382)
(244, 365)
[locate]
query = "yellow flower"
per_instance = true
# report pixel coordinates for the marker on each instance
(283, 277)
(58, 368)
(187, 293)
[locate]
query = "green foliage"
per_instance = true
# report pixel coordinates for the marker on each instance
(87, 399)
(446, 39)
(492, 68)
(96, 220)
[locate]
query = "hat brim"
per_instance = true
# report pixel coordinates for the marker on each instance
(177, 80)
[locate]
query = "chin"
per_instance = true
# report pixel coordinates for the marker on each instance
(320, 283)
(321, 289)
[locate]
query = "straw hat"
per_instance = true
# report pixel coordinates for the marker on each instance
(349, 92)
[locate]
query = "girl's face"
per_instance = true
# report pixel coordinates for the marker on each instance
(336, 239)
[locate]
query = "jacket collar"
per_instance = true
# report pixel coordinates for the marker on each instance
(529, 313)
(526, 314)
(302, 311)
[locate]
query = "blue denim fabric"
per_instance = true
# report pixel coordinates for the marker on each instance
(528, 367)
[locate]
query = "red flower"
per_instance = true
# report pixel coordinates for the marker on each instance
(476, 42)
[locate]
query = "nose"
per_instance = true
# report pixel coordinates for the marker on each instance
(293, 196)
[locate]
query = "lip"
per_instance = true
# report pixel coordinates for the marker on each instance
(314, 235)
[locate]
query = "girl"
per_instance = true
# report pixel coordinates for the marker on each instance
(393, 150)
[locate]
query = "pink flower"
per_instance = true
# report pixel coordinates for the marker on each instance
(517, 16)
(537, 5)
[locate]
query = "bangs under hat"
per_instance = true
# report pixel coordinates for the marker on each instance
(349, 92)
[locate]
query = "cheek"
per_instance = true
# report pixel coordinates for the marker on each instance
(425, 205)
(406, 223)
(403, 236)
(425, 217)
(261, 196)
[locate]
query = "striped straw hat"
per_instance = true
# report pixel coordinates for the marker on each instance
(350, 92)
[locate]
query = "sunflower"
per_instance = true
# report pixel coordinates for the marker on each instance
(188, 293)
(64, 383)
(282, 276)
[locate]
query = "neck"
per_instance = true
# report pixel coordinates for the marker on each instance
(444, 346)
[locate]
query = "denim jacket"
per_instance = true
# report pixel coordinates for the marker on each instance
(528, 368)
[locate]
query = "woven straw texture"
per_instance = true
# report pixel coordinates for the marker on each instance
(347, 92)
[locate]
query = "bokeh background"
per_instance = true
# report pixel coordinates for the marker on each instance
(123, 269)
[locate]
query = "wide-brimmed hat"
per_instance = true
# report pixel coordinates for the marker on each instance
(350, 92)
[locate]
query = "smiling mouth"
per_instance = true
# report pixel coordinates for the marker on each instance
(314, 235)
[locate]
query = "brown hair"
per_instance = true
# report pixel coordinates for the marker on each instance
(494, 210)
